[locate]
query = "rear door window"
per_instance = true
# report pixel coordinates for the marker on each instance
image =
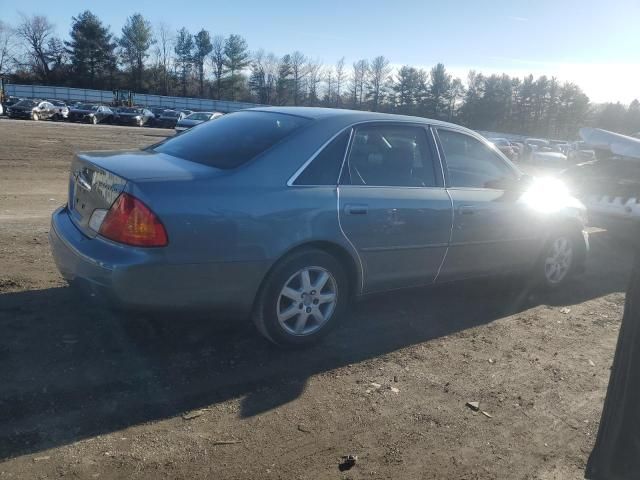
(392, 156)
(233, 139)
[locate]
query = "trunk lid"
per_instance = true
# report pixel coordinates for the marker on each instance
(98, 178)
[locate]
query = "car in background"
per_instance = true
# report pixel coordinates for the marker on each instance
(32, 110)
(9, 102)
(62, 110)
(187, 112)
(90, 113)
(518, 148)
(351, 203)
(196, 119)
(580, 152)
(504, 146)
(157, 113)
(137, 116)
(170, 118)
(543, 152)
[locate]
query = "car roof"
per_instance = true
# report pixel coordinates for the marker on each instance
(354, 116)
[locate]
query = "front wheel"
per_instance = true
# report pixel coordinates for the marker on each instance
(35, 117)
(302, 299)
(558, 260)
(94, 121)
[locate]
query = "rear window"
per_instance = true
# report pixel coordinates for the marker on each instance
(233, 139)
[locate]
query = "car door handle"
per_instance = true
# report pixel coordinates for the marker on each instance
(466, 210)
(356, 209)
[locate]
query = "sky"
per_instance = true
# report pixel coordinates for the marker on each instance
(595, 44)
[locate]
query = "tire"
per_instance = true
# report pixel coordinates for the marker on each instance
(93, 121)
(35, 117)
(558, 261)
(283, 301)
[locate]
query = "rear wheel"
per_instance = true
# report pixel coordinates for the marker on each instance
(302, 299)
(94, 120)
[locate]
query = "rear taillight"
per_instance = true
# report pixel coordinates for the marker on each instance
(131, 222)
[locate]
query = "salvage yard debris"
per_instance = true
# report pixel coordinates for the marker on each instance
(348, 462)
(475, 406)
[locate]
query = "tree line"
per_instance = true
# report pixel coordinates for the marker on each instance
(161, 60)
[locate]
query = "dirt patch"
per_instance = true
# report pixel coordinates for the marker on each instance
(88, 393)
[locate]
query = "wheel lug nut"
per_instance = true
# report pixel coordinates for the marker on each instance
(308, 309)
(316, 301)
(300, 306)
(313, 292)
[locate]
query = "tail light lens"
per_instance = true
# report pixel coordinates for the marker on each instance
(131, 222)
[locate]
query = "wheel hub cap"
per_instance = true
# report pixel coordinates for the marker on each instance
(307, 301)
(558, 261)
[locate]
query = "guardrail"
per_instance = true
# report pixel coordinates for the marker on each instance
(106, 97)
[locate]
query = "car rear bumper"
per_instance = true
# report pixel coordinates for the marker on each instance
(144, 279)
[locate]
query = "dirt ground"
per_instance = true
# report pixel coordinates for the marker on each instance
(88, 393)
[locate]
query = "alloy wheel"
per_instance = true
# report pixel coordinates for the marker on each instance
(559, 260)
(307, 301)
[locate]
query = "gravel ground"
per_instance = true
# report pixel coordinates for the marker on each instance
(88, 393)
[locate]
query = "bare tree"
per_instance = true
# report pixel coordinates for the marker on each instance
(340, 77)
(7, 47)
(218, 62)
(299, 70)
(36, 31)
(377, 80)
(330, 80)
(163, 53)
(315, 75)
(358, 80)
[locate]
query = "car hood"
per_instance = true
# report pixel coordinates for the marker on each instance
(21, 108)
(147, 165)
(76, 110)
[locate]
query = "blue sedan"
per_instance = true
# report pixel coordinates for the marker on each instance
(287, 214)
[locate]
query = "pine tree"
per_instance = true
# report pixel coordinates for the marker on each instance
(137, 38)
(184, 56)
(91, 50)
(203, 47)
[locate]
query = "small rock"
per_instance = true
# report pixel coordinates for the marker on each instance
(591, 362)
(40, 459)
(475, 406)
(375, 385)
(394, 389)
(565, 310)
(492, 361)
(395, 378)
(303, 429)
(488, 415)
(348, 462)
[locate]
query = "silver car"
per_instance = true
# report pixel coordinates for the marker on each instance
(287, 214)
(194, 119)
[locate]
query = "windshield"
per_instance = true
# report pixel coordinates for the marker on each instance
(170, 113)
(86, 106)
(130, 110)
(233, 139)
(26, 103)
(198, 116)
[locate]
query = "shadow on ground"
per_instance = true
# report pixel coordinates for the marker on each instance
(72, 371)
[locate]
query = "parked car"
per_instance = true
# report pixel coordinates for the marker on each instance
(288, 213)
(543, 152)
(134, 116)
(32, 109)
(504, 146)
(62, 111)
(9, 102)
(187, 112)
(196, 119)
(580, 152)
(157, 113)
(170, 118)
(91, 113)
(518, 148)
